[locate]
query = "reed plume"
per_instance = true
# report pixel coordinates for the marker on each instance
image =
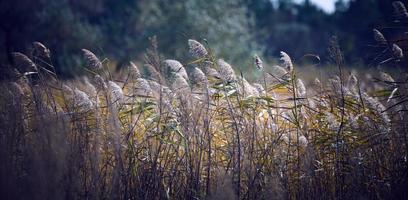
(92, 60)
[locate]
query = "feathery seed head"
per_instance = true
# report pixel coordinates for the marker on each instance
(92, 60)
(399, 9)
(198, 76)
(100, 83)
(179, 83)
(226, 72)
(379, 37)
(157, 88)
(196, 49)
(287, 61)
(279, 72)
(67, 90)
(175, 66)
(301, 89)
(116, 93)
(81, 99)
(397, 51)
(143, 86)
(209, 71)
(247, 88)
(133, 70)
(23, 62)
(152, 73)
(41, 50)
(374, 103)
(386, 77)
(378, 107)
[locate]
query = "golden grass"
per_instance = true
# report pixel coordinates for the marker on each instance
(134, 136)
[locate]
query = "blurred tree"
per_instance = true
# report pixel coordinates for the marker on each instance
(340, 6)
(225, 24)
(119, 29)
(354, 27)
(120, 25)
(66, 31)
(55, 23)
(16, 20)
(305, 24)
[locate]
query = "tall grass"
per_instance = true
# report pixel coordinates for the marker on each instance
(199, 130)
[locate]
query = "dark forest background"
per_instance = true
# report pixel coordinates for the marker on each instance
(235, 29)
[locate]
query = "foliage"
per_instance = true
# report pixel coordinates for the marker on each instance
(197, 129)
(199, 135)
(234, 28)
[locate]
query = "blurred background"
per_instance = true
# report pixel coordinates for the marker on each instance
(235, 29)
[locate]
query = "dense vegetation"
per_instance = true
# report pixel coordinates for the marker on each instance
(201, 133)
(198, 129)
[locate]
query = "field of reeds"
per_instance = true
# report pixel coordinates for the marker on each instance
(200, 130)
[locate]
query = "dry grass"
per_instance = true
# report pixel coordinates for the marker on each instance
(201, 131)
